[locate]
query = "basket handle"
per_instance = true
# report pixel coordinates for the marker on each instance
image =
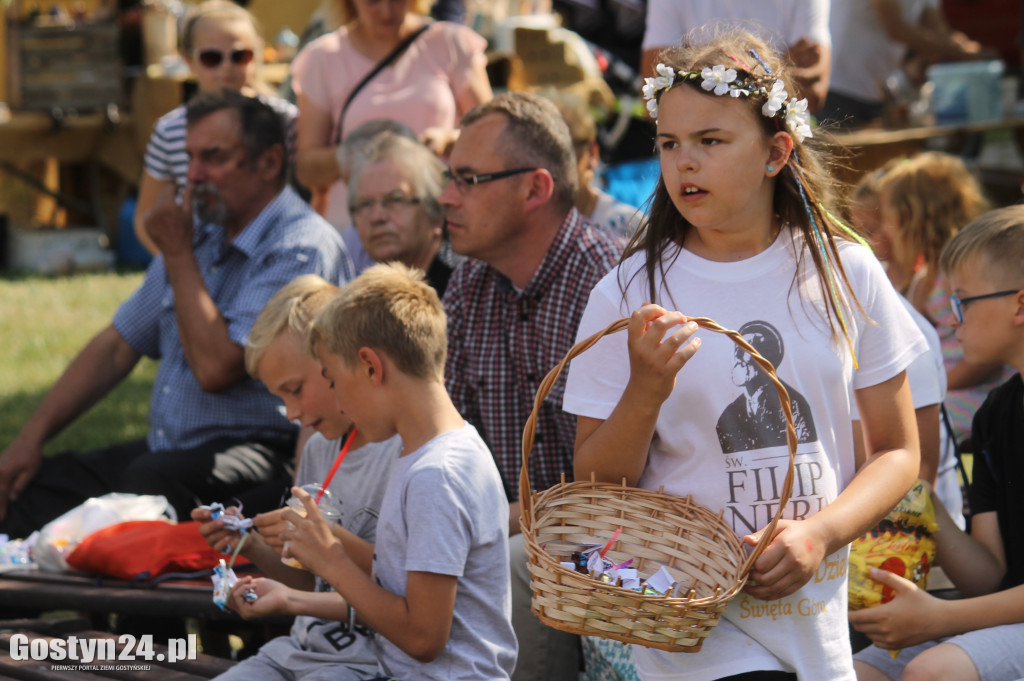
(529, 431)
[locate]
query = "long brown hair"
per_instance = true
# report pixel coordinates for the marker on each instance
(804, 191)
(933, 195)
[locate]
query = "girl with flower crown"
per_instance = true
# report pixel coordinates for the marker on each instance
(739, 231)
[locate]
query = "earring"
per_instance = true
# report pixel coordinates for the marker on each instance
(770, 169)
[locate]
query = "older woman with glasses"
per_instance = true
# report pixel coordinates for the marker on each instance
(387, 60)
(221, 44)
(393, 201)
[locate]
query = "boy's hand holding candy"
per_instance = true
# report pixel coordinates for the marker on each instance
(271, 597)
(213, 530)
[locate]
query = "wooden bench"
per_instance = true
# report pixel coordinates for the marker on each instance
(45, 591)
(16, 637)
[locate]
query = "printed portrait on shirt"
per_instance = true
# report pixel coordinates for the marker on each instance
(755, 419)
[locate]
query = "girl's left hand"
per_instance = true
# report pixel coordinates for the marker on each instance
(787, 563)
(310, 541)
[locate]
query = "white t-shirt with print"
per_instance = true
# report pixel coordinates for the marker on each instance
(720, 434)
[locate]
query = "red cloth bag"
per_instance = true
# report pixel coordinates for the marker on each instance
(127, 550)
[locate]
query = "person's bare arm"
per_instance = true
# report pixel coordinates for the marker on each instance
(891, 464)
(477, 92)
(966, 374)
(515, 510)
(419, 622)
(616, 448)
(316, 165)
(255, 548)
(930, 37)
(103, 363)
(441, 140)
(648, 60)
(275, 598)
(927, 418)
(811, 70)
(975, 562)
(890, 441)
(216, 360)
(149, 189)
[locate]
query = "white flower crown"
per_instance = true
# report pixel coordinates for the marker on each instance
(720, 80)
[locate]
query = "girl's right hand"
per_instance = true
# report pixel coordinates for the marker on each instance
(657, 352)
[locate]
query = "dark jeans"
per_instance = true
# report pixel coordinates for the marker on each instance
(762, 676)
(227, 470)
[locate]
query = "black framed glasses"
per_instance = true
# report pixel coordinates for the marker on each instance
(958, 304)
(211, 58)
(389, 202)
(464, 182)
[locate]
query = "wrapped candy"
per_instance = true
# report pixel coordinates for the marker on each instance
(232, 521)
(224, 579)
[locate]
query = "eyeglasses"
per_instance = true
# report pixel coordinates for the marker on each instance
(464, 182)
(958, 304)
(211, 58)
(389, 202)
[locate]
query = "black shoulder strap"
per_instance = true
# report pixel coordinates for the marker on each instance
(380, 66)
(951, 442)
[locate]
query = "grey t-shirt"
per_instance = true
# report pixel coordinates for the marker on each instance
(445, 512)
(358, 486)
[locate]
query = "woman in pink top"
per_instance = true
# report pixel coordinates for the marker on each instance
(440, 76)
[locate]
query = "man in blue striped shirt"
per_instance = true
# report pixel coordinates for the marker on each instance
(236, 236)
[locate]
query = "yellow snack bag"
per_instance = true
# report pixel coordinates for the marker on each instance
(902, 543)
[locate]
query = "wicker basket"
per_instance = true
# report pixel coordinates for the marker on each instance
(657, 529)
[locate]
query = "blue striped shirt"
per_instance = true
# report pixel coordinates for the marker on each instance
(285, 240)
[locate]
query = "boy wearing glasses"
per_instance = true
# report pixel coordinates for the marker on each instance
(982, 635)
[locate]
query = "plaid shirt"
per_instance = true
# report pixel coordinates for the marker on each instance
(285, 240)
(501, 344)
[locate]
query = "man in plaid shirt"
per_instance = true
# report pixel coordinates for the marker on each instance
(513, 309)
(237, 237)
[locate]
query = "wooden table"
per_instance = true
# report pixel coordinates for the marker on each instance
(165, 605)
(869, 149)
(46, 591)
(108, 152)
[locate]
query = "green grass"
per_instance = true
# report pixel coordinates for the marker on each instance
(44, 322)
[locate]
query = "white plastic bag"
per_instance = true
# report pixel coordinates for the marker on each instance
(60, 536)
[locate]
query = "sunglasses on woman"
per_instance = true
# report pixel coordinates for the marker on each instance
(211, 58)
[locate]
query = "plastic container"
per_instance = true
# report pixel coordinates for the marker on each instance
(966, 92)
(329, 507)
